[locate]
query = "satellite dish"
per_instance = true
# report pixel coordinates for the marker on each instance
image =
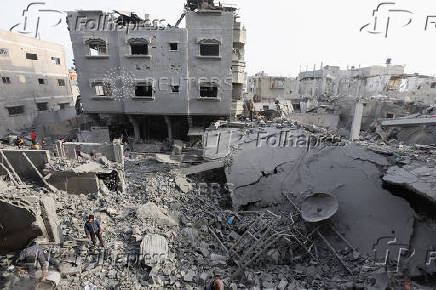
(319, 207)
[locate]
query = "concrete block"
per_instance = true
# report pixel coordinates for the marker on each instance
(154, 250)
(39, 157)
(75, 183)
(50, 218)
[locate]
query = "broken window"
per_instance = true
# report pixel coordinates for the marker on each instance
(389, 116)
(63, 106)
(144, 90)
(42, 106)
(61, 82)
(175, 88)
(97, 48)
(4, 52)
(297, 108)
(209, 49)
(174, 46)
(433, 85)
(102, 89)
(6, 80)
(209, 90)
(56, 60)
(277, 84)
(139, 48)
(42, 81)
(32, 56)
(14, 111)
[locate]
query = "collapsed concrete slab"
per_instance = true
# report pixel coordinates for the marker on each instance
(415, 177)
(329, 121)
(23, 219)
(20, 164)
(410, 122)
(86, 178)
(260, 174)
(150, 211)
(113, 152)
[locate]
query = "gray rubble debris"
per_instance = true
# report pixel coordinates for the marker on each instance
(150, 211)
(415, 177)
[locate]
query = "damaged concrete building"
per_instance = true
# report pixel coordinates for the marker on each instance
(389, 81)
(264, 88)
(34, 80)
(155, 81)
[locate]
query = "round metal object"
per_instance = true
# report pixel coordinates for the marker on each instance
(319, 207)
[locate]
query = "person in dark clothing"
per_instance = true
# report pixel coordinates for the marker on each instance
(31, 255)
(19, 142)
(92, 229)
(217, 284)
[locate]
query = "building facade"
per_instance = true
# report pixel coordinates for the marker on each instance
(158, 80)
(374, 81)
(34, 79)
(268, 89)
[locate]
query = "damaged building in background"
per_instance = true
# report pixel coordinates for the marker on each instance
(155, 81)
(34, 81)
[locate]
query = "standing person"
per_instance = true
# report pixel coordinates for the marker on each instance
(251, 109)
(33, 137)
(92, 229)
(36, 253)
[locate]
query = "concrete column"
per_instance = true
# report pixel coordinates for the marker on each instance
(357, 121)
(118, 151)
(136, 127)
(170, 129)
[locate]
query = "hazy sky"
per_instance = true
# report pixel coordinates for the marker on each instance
(286, 35)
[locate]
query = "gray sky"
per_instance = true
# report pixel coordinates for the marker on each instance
(284, 35)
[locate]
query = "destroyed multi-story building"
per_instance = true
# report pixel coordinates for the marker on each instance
(156, 80)
(389, 80)
(34, 79)
(265, 88)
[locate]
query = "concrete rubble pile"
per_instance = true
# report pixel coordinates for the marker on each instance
(264, 209)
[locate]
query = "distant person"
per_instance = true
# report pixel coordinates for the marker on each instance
(251, 109)
(217, 284)
(36, 146)
(19, 142)
(92, 229)
(29, 257)
(33, 137)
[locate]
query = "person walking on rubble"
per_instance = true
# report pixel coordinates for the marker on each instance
(92, 229)
(29, 257)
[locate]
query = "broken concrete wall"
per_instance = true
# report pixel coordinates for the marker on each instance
(23, 219)
(329, 121)
(21, 166)
(113, 152)
(75, 183)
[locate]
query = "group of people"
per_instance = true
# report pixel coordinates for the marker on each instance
(19, 142)
(36, 254)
